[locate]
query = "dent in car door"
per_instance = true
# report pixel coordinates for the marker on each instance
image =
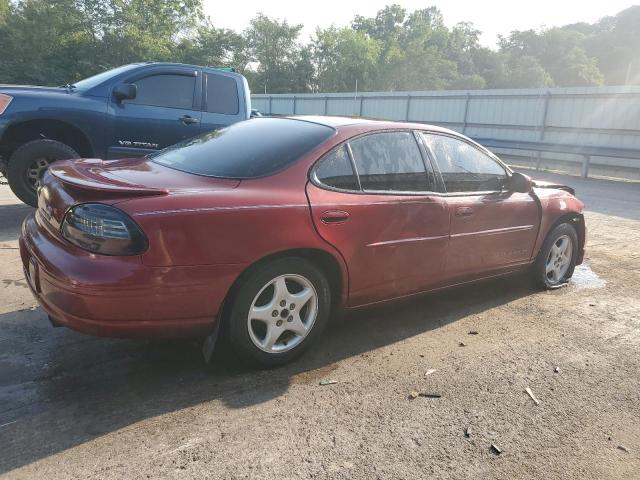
(491, 231)
(490, 228)
(393, 244)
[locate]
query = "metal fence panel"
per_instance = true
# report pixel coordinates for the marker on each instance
(592, 116)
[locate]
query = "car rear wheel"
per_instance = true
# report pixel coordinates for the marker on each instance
(557, 258)
(28, 163)
(278, 311)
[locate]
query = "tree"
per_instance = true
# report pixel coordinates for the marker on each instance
(559, 52)
(282, 64)
(343, 56)
(615, 43)
(59, 41)
(217, 47)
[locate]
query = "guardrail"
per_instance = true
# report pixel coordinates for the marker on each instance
(595, 123)
(586, 151)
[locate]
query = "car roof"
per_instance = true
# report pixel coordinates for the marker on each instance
(368, 123)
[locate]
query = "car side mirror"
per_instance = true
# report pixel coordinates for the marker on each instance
(125, 91)
(519, 182)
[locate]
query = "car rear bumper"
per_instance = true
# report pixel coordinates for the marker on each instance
(120, 296)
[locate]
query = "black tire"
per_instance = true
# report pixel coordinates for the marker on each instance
(24, 159)
(540, 275)
(235, 324)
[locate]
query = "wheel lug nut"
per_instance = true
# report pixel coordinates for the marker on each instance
(290, 319)
(279, 323)
(283, 303)
(274, 313)
(292, 306)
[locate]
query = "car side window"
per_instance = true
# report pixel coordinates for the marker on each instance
(463, 167)
(335, 170)
(390, 161)
(168, 90)
(222, 95)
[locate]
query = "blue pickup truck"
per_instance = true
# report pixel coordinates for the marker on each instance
(129, 111)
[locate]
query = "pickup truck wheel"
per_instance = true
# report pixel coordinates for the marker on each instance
(557, 258)
(28, 163)
(278, 311)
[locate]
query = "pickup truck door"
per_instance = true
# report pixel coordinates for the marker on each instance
(223, 100)
(165, 111)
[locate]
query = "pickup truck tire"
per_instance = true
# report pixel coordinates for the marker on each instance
(557, 258)
(29, 161)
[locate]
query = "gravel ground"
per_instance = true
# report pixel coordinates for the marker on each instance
(73, 406)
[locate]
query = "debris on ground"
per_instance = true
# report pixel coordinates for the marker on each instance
(497, 450)
(533, 397)
(623, 448)
(556, 370)
(429, 372)
(473, 332)
(462, 344)
(592, 304)
(327, 382)
(430, 395)
(413, 394)
(467, 432)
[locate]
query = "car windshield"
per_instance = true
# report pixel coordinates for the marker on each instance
(249, 149)
(91, 82)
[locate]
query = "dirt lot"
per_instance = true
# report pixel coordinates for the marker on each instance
(73, 406)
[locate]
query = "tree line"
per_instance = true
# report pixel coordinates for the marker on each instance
(53, 42)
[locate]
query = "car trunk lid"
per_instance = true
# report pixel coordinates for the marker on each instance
(70, 182)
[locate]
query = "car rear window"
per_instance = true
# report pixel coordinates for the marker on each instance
(250, 149)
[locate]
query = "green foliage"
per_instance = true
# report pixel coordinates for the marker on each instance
(342, 55)
(283, 65)
(59, 41)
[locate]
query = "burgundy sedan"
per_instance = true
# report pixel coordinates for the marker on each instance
(260, 230)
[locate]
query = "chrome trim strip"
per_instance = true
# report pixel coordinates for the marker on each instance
(405, 240)
(219, 209)
(495, 231)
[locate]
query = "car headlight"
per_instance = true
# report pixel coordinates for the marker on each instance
(103, 229)
(5, 100)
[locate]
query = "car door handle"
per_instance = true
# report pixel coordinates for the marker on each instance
(188, 119)
(333, 217)
(464, 211)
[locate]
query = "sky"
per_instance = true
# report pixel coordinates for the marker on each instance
(492, 17)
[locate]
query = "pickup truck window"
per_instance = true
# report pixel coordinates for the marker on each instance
(251, 149)
(222, 95)
(170, 90)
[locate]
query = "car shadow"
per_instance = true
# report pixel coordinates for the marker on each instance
(59, 388)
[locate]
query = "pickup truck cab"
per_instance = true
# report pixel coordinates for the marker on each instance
(128, 111)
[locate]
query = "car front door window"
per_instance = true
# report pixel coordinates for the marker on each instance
(463, 167)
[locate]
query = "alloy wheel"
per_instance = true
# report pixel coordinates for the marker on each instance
(282, 314)
(559, 259)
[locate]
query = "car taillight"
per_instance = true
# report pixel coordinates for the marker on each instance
(103, 229)
(5, 100)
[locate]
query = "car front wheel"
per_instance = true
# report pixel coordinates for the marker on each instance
(557, 258)
(278, 310)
